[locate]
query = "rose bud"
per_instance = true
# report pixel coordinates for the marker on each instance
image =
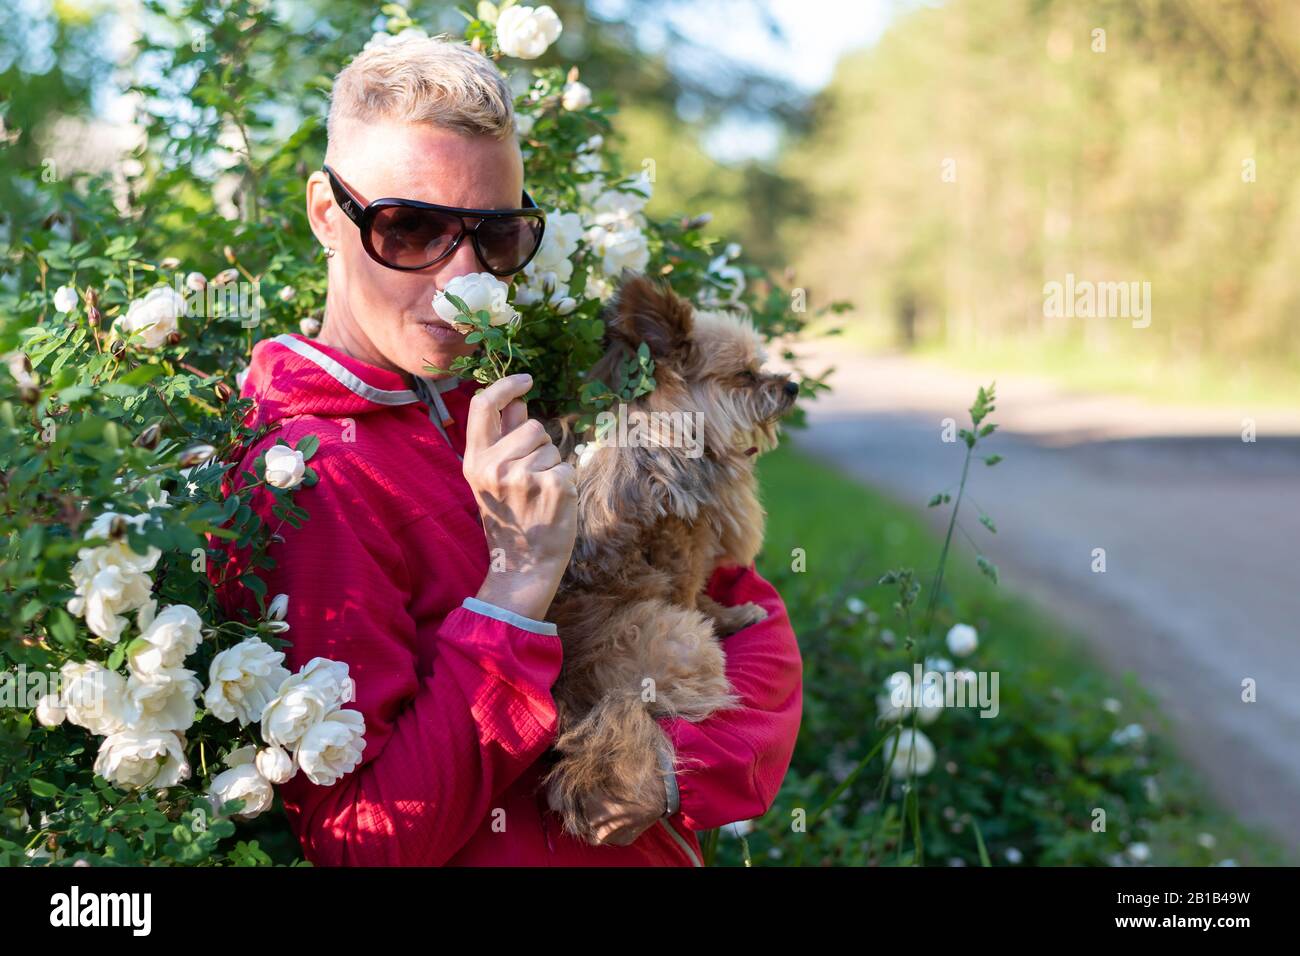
(196, 455)
(170, 263)
(92, 297)
(229, 254)
(174, 338)
(117, 348)
(225, 276)
(196, 282)
(93, 317)
(222, 391)
(117, 527)
(149, 437)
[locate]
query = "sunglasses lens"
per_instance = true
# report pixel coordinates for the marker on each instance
(412, 238)
(507, 243)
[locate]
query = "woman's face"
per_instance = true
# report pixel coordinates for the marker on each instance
(385, 316)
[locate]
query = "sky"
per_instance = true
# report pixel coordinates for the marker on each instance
(816, 35)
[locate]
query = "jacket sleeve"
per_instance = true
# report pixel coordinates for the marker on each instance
(731, 764)
(441, 742)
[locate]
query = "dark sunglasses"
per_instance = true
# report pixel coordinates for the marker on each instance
(408, 235)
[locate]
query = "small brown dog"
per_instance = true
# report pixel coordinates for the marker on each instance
(660, 505)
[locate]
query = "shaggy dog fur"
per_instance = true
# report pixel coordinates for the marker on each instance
(641, 639)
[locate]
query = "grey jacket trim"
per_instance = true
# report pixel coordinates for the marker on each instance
(670, 780)
(380, 396)
(510, 617)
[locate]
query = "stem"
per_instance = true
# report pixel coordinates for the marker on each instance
(932, 604)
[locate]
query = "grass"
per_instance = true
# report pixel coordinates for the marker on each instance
(850, 536)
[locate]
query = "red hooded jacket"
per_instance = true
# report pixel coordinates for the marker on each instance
(456, 693)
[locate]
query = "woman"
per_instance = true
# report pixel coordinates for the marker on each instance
(443, 518)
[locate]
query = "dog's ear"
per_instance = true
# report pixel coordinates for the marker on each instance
(646, 310)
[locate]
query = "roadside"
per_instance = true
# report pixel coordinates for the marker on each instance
(1200, 531)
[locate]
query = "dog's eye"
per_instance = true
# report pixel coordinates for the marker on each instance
(749, 377)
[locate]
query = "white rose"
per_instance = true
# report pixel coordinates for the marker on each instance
(154, 316)
(900, 697)
(732, 277)
(243, 782)
(241, 755)
(50, 711)
(276, 765)
(110, 580)
(107, 593)
(1139, 852)
(332, 747)
(161, 700)
(168, 639)
(915, 752)
(330, 678)
(480, 291)
(524, 124)
(559, 242)
(65, 298)
(577, 96)
(285, 466)
(292, 713)
(242, 680)
(133, 758)
(526, 32)
(94, 697)
(613, 206)
(621, 247)
(962, 640)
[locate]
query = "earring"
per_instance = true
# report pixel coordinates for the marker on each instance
(329, 252)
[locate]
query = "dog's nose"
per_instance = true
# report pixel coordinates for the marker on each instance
(792, 388)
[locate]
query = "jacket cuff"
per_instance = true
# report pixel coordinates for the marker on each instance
(670, 780)
(509, 617)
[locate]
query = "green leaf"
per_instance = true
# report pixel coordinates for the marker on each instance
(979, 843)
(42, 789)
(992, 460)
(308, 445)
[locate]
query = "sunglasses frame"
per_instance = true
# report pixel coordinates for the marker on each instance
(363, 217)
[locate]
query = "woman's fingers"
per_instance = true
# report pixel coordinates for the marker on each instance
(490, 411)
(523, 441)
(547, 456)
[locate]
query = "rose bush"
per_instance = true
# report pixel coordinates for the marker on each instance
(156, 726)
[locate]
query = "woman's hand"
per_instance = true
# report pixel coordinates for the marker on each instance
(527, 496)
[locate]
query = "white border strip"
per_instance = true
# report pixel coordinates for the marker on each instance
(348, 380)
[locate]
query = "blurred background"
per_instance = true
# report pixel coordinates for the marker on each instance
(936, 166)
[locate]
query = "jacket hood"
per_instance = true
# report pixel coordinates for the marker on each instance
(292, 375)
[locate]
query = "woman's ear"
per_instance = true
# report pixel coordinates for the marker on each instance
(324, 217)
(647, 310)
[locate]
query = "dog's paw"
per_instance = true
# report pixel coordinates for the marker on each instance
(729, 620)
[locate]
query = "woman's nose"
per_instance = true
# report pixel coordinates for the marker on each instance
(463, 261)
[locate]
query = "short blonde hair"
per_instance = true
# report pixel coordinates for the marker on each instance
(436, 80)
